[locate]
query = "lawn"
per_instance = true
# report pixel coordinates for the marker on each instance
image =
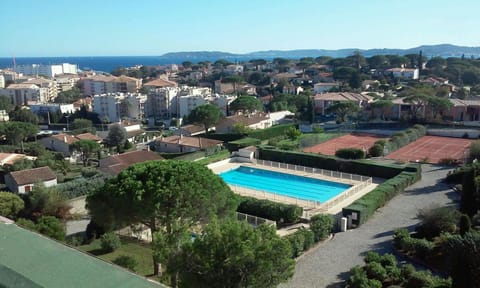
(221, 155)
(140, 251)
(306, 140)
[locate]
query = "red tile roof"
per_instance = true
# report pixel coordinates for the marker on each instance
(117, 163)
(34, 175)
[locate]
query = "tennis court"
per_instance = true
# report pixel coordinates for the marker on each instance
(432, 149)
(361, 141)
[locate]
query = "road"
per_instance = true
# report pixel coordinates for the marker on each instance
(328, 265)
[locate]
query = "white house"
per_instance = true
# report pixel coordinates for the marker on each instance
(23, 181)
(61, 142)
(117, 106)
(47, 70)
(404, 73)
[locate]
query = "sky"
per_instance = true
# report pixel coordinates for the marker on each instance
(44, 28)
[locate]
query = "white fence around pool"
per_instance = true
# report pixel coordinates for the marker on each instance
(358, 183)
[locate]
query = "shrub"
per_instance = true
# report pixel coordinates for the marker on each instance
(465, 224)
(376, 150)
(321, 225)
(358, 279)
(241, 143)
(51, 227)
(350, 153)
(74, 241)
(279, 212)
(398, 236)
(126, 261)
(309, 239)
(423, 248)
(449, 161)
(292, 133)
(110, 242)
(26, 223)
(372, 257)
(296, 240)
(376, 271)
(264, 134)
(88, 172)
(475, 150)
(435, 220)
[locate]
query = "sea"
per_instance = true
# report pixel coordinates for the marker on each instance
(97, 63)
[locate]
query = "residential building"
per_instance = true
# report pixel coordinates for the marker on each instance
(190, 130)
(159, 83)
(23, 181)
(184, 144)
(118, 106)
(10, 158)
(30, 259)
(233, 69)
(322, 101)
(47, 70)
(404, 73)
(292, 89)
(44, 108)
(61, 142)
(66, 82)
(2, 81)
(103, 84)
(117, 163)
(22, 94)
(324, 87)
(252, 121)
(160, 102)
(9, 75)
(49, 85)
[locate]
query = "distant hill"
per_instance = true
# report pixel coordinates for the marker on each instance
(441, 50)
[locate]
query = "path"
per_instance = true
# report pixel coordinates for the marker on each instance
(328, 266)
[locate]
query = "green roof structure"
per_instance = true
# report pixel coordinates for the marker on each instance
(28, 259)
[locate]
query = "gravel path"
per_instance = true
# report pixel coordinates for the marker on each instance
(328, 265)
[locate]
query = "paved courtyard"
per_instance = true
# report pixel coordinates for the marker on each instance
(328, 265)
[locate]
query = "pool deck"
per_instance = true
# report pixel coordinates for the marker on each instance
(308, 210)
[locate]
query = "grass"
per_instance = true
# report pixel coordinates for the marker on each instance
(221, 155)
(138, 250)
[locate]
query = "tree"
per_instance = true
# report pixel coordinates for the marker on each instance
(187, 64)
(23, 115)
(206, 115)
(16, 132)
(377, 62)
(10, 204)
(438, 105)
(6, 103)
(169, 196)
(246, 104)
(86, 149)
(43, 201)
(234, 79)
(80, 125)
(382, 106)
(117, 135)
(342, 109)
(417, 102)
(51, 227)
(69, 96)
(246, 257)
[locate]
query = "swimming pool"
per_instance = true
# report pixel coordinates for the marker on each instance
(284, 184)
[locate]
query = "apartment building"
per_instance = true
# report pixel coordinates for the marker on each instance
(103, 84)
(47, 70)
(49, 85)
(66, 82)
(23, 93)
(114, 107)
(43, 108)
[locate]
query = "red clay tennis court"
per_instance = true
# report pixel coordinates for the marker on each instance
(347, 141)
(432, 149)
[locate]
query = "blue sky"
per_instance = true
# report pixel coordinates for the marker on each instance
(155, 27)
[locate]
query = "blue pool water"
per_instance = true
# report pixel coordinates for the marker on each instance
(284, 184)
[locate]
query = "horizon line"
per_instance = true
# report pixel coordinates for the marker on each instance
(239, 53)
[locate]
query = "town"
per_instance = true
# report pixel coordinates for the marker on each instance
(151, 167)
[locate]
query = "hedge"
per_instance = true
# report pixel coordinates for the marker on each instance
(406, 137)
(81, 186)
(241, 143)
(365, 207)
(362, 167)
(300, 241)
(350, 153)
(265, 134)
(270, 210)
